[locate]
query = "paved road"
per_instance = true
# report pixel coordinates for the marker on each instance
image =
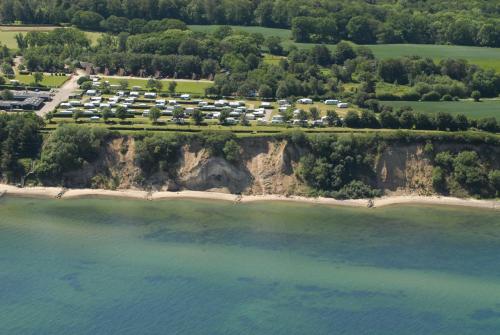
(61, 94)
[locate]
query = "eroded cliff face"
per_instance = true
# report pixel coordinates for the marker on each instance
(265, 166)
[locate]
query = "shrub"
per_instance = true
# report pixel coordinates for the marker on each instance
(476, 95)
(387, 97)
(411, 96)
(232, 151)
(447, 97)
(438, 179)
(355, 190)
(431, 96)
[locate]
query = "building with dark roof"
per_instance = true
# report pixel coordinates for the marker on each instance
(32, 103)
(22, 95)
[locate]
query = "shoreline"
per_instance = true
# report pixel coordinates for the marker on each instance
(62, 193)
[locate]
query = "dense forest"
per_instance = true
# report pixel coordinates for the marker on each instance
(376, 21)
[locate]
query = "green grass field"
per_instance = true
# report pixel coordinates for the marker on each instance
(8, 33)
(191, 87)
(473, 110)
(484, 57)
(49, 81)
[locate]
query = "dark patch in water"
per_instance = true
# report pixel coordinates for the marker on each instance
(246, 279)
(484, 314)
(347, 294)
(73, 281)
(159, 279)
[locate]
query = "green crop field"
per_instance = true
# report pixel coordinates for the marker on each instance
(474, 110)
(48, 80)
(484, 57)
(183, 86)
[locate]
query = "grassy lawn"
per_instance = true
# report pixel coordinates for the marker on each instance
(272, 59)
(474, 110)
(8, 33)
(49, 81)
(192, 87)
(8, 38)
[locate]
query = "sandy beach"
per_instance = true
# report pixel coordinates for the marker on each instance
(58, 192)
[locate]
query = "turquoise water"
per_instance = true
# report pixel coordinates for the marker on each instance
(102, 266)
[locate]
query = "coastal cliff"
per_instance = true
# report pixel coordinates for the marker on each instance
(268, 165)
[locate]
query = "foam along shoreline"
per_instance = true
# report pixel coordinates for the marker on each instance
(58, 192)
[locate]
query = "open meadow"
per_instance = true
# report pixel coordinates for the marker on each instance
(473, 110)
(484, 57)
(48, 80)
(196, 87)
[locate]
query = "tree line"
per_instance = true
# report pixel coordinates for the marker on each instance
(465, 23)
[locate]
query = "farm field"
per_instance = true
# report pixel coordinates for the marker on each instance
(48, 80)
(484, 57)
(473, 110)
(183, 86)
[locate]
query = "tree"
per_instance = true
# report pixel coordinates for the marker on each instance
(121, 113)
(123, 84)
(87, 20)
(7, 70)
(76, 115)
(494, 178)
(368, 120)
(343, 52)
(154, 114)
(314, 111)
(332, 118)
(265, 91)
(476, 95)
(154, 84)
(197, 117)
(223, 116)
(273, 44)
(243, 120)
(351, 119)
(38, 77)
(393, 70)
(49, 116)
(172, 86)
(232, 151)
(177, 113)
(488, 124)
(106, 114)
(6, 95)
(362, 30)
(407, 120)
(444, 121)
(388, 120)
